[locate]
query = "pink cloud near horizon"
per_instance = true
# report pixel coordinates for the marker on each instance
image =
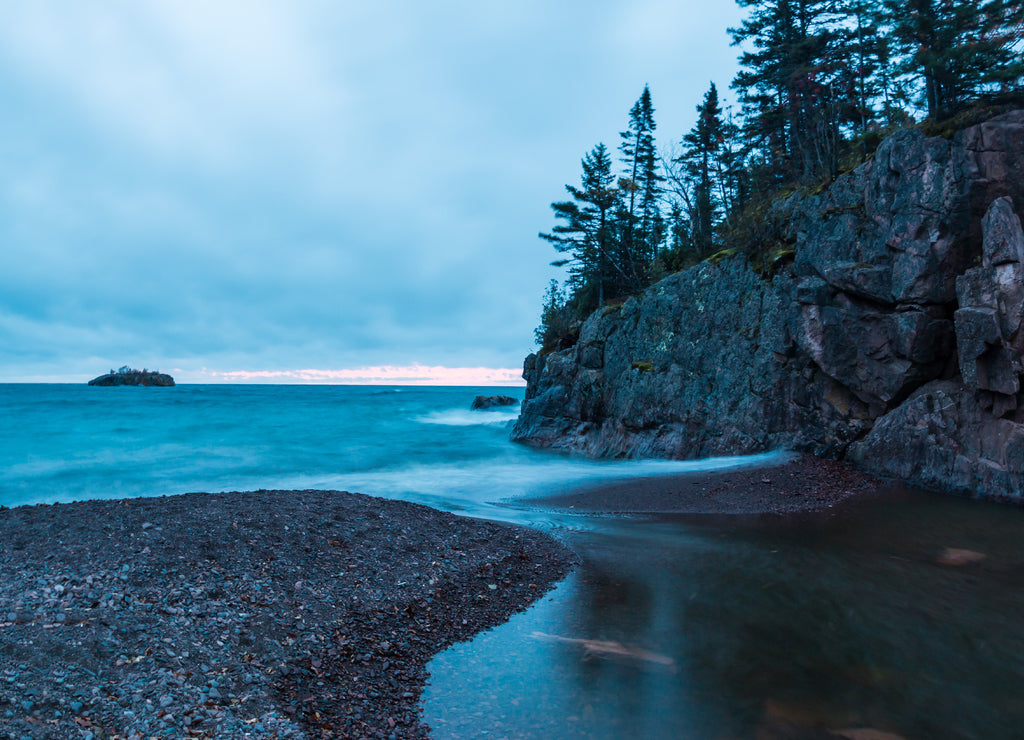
(373, 375)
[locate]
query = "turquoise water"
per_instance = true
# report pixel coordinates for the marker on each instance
(668, 629)
(73, 442)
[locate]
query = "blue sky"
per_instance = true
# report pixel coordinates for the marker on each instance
(310, 191)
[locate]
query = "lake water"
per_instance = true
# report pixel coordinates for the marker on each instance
(669, 629)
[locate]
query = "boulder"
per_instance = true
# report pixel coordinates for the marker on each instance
(490, 402)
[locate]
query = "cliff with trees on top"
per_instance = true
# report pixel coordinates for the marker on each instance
(873, 315)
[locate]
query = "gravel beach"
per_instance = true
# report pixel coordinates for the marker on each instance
(805, 485)
(268, 614)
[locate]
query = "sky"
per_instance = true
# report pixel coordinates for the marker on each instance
(311, 190)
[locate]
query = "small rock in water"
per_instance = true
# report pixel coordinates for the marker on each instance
(956, 557)
(867, 733)
(490, 402)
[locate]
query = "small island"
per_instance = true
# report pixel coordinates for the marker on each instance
(130, 376)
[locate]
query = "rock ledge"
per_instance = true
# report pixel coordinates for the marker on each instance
(894, 340)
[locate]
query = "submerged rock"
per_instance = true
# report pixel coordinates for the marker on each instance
(895, 338)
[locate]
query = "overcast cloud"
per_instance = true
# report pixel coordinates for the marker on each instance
(309, 190)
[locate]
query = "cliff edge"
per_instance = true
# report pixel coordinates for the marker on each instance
(894, 339)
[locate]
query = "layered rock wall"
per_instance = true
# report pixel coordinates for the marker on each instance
(895, 339)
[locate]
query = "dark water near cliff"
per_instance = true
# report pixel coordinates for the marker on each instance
(760, 631)
(668, 630)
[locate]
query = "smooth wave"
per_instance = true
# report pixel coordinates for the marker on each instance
(464, 418)
(478, 488)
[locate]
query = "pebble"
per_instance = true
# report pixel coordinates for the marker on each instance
(205, 635)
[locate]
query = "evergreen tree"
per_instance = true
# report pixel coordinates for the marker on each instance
(787, 85)
(555, 319)
(588, 231)
(640, 221)
(861, 50)
(704, 143)
(959, 49)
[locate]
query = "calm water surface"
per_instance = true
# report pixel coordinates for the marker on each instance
(670, 629)
(761, 632)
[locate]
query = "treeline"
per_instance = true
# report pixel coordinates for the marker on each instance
(821, 83)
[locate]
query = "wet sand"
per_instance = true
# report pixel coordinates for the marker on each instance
(802, 486)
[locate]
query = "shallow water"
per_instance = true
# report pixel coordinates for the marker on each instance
(668, 629)
(761, 631)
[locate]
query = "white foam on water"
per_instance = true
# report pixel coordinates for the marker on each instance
(474, 487)
(466, 418)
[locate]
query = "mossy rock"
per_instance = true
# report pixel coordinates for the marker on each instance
(719, 257)
(608, 310)
(643, 366)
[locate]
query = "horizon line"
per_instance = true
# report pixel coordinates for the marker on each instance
(411, 375)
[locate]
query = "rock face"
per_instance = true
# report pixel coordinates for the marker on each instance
(895, 339)
(489, 402)
(127, 376)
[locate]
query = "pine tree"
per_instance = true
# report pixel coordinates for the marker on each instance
(640, 221)
(704, 143)
(555, 319)
(959, 49)
(787, 85)
(860, 50)
(588, 231)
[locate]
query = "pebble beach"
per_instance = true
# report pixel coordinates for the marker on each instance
(268, 614)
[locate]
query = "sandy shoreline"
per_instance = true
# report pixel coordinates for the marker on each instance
(268, 614)
(804, 485)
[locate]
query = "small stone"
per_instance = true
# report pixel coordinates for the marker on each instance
(956, 557)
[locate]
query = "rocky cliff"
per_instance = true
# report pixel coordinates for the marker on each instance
(894, 339)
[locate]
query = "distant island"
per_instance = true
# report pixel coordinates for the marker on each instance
(130, 376)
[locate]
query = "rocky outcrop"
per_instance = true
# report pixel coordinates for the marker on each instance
(894, 339)
(481, 403)
(967, 435)
(128, 376)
